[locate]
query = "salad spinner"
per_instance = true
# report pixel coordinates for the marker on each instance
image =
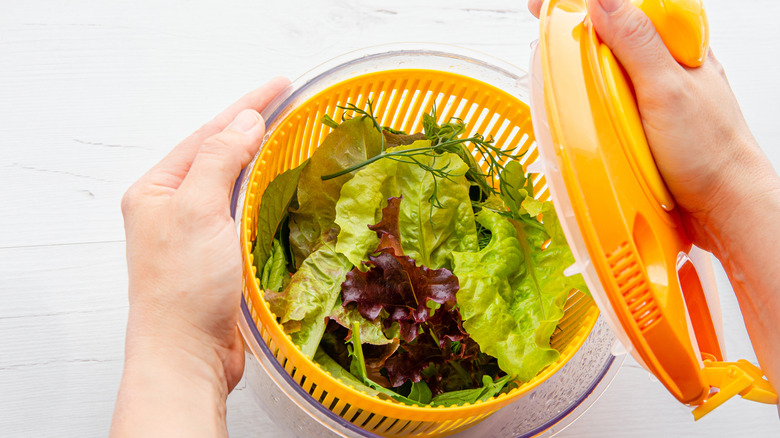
(576, 120)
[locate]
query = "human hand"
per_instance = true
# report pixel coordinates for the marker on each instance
(699, 139)
(727, 190)
(184, 263)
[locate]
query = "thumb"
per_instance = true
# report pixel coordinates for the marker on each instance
(222, 156)
(633, 39)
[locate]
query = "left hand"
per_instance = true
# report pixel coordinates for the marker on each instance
(184, 262)
(183, 254)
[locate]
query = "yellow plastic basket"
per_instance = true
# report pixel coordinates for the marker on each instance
(400, 97)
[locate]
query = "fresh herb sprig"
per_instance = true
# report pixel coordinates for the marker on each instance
(447, 136)
(443, 138)
(351, 107)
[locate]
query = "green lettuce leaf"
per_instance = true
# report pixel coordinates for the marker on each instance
(313, 291)
(489, 389)
(273, 209)
(512, 292)
(353, 142)
(420, 392)
(275, 275)
(371, 332)
(358, 369)
(337, 371)
(517, 191)
(429, 233)
(557, 256)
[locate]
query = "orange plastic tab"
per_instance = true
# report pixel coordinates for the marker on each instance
(731, 378)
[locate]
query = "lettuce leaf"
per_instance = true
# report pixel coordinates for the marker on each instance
(352, 142)
(337, 371)
(413, 358)
(397, 138)
(429, 233)
(273, 209)
(371, 332)
(512, 292)
(313, 291)
(517, 192)
(420, 392)
(489, 389)
(358, 369)
(387, 229)
(404, 291)
(275, 276)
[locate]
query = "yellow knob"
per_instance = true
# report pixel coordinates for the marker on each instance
(682, 25)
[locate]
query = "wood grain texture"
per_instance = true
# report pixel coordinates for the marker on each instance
(94, 93)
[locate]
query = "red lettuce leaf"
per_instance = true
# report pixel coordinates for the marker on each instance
(421, 300)
(415, 357)
(447, 326)
(398, 286)
(412, 358)
(387, 229)
(376, 356)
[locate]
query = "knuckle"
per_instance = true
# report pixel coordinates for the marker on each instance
(669, 91)
(226, 150)
(717, 66)
(674, 90)
(185, 208)
(130, 201)
(206, 131)
(217, 145)
(637, 30)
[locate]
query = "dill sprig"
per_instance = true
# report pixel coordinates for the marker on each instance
(447, 136)
(351, 107)
(443, 138)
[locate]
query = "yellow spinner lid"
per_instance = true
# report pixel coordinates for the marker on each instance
(655, 289)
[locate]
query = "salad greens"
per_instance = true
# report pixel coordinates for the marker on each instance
(337, 371)
(489, 389)
(354, 141)
(371, 332)
(273, 211)
(498, 297)
(358, 368)
(302, 307)
(274, 276)
(408, 271)
(429, 232)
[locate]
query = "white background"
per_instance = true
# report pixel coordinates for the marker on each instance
(93, 93)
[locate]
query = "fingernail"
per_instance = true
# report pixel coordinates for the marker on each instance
(610, 6)
(244, 121)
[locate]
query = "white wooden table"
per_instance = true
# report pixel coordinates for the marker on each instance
(93, 93)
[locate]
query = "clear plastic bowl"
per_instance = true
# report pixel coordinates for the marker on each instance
(546, 410)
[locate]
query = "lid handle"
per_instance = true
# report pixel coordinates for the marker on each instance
(682, 25)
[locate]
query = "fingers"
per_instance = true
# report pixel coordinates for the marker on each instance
(220, 159)
(172, 169)
(634, 41)
(257, 100)
(535, 6)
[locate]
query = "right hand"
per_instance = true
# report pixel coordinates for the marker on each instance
(726, 189)
(701, 143)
